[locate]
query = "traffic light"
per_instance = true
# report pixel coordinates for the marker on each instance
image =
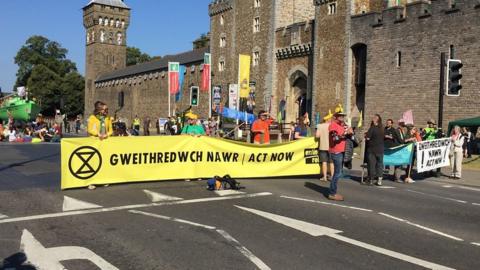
(454, 76)
(194, 95)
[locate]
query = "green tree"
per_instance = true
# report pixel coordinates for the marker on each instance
(202, 42)
(135, 56)
(50, 77)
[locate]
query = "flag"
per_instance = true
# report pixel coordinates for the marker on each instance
(207, 73)
(244, 75)
(408, 117)
(360, 120)
(173, 77)
(181, 79)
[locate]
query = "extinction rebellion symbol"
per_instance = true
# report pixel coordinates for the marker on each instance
(85, 162)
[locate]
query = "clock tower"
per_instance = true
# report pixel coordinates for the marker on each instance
(106, 23)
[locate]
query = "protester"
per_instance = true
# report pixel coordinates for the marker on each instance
(2, 130)
(28, 134)
(393, 138)
(261, 128)
(136, 126)
(466, 144)
(157, 125)
(323, 146)
(375, 150)
(192, 128)
(431, 131)
(337, 134)
(213, 126)
(99, 124)
(350, 144)
(40, 127)
(301, 131)
(12, 134)
(146, 126)
(456, 152)
(306, 119)
(78, 124)
(204, 124)
(291, 131)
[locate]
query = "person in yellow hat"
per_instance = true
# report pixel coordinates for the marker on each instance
(192, 128)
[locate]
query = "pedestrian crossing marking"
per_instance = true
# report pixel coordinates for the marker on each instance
(159, 197)
(71, 204)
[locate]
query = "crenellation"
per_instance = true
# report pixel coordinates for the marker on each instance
(418, 9)
(393, 14)
(219, 6)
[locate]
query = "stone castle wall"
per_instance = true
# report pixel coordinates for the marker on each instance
(420, 33)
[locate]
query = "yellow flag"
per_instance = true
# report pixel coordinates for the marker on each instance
(244, 75)
(360, 120)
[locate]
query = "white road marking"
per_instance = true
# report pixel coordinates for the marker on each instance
(72, 204)
(172, 219)
(469, 188)
(282, 220)
(228, 192)
(447, 186)
(477, 204)
(391, 253)
(386, 187)
(476, 244)
(327, 203)
(158, 197)
(3, 216)
(421, 227)
(436, 196)
(129, 207)
(245, 252)
(309, 228)
(49, 258)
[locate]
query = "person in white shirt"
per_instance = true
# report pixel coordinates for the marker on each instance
(456, 152)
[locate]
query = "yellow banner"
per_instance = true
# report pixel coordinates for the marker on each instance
(244, 75)
(89, 161)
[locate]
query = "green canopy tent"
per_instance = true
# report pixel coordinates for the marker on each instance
(472, 123)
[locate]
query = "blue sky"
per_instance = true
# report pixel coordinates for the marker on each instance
(158, 27)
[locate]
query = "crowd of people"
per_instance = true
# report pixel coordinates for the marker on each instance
(40, 130)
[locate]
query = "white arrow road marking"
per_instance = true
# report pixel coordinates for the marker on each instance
(3, 216)
(158, 197)
(50, 258)
(71, 204)
(477, 204)
(476, 244)
(129, 207)
(327, 203)
(421, 227)
(320, 230)
(309, 228)
(247, 253)
(228, 192)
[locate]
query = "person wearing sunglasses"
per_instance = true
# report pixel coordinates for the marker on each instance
(99, 124)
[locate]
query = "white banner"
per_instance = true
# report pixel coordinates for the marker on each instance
(433, 154)
(232, 96)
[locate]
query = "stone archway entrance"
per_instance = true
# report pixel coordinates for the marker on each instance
(297, 96)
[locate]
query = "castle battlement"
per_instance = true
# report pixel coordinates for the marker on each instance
(219, 6)
(304, 26)
(417, 10)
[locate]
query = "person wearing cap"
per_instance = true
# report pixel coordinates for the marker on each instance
(192, 128)
(336, 149)
(431, 131)
(261, 128)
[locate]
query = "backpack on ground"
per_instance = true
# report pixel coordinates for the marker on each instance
(230, 183)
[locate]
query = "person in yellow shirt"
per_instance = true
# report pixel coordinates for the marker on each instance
(99, 124)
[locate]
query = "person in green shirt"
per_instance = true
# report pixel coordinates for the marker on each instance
(192, 128)
(431, 131)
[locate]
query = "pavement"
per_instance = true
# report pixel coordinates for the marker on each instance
(282, 223)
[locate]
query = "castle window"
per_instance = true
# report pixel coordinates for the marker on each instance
(106, 21)
(256, 3)
(256, 24)
(256, 58)
(332, 8)
(399, 59)
(221, 65)
(223, 42)
(222, 20)
(100, 21)
(119, 38)
(112, 22)
(123, 23)
(117, 23)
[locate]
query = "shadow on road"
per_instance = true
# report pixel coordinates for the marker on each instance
(18, 164)
(317, 188)
(16, 261)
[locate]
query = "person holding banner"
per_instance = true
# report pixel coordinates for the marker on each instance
(192, 128)
(456, 152)
(375, 150)
(261, 128)
(99, 124)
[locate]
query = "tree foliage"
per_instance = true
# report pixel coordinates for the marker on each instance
(202, 42)
(51, 78)
(135, 56)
